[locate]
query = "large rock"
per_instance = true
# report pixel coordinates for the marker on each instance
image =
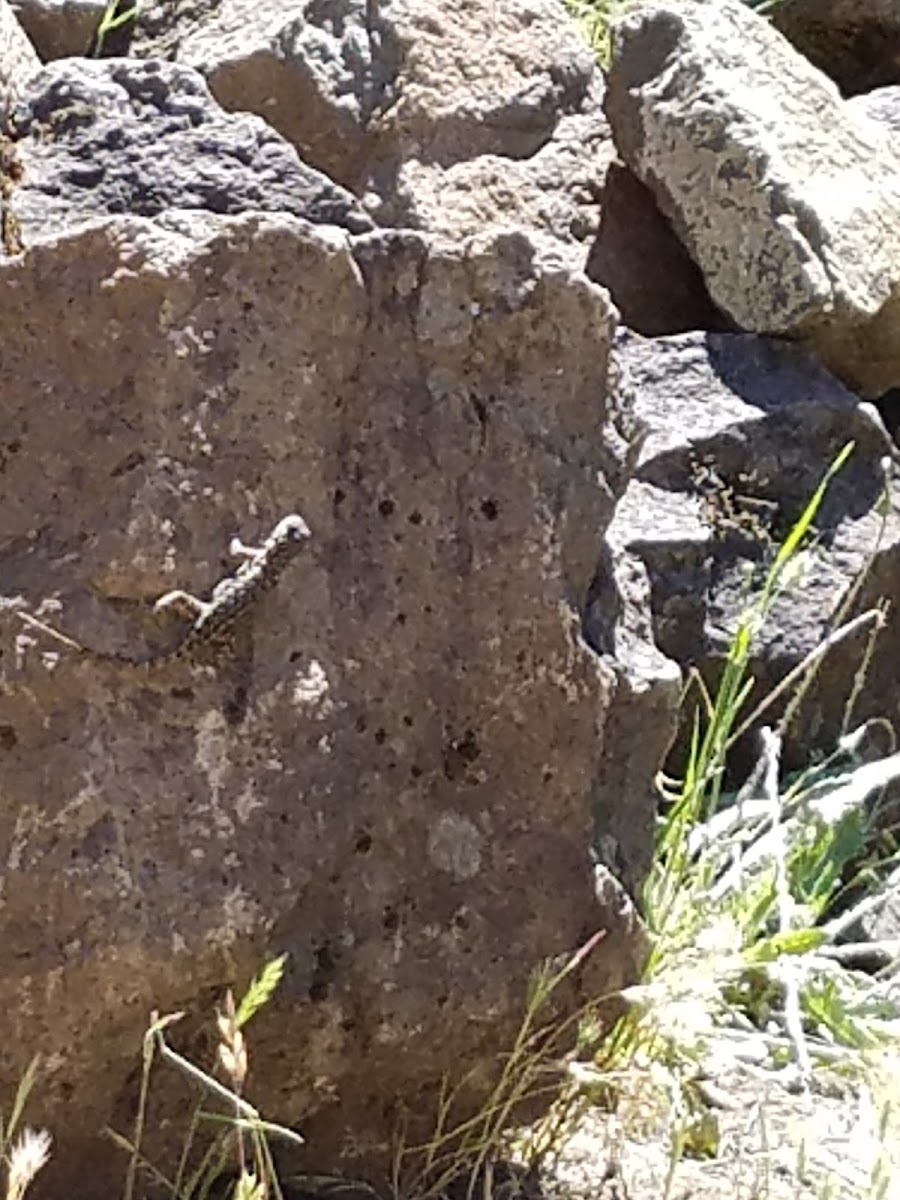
(449, 117)
(18, 60)
(398, 788)
(741, 430)
(122, 136)
(785, 198)
(320, 72)
(555, 191)
(499, 120)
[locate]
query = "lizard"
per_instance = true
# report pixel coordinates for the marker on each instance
(212, 623)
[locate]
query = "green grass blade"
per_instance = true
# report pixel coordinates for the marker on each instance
(261, 989)
(26, 1083)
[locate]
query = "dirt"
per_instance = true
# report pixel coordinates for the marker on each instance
(771, 1145)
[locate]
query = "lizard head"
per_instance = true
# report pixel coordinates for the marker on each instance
(291, 529)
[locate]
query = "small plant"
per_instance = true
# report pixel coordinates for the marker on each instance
(739, 903)
(117, 14)
(593, 18)
(22, 1156)
(469, 1156)
(27, 1155)
(245, 1132)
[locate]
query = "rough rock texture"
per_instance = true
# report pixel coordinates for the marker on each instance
(642, 721)
(555, 191)
(499, 120)
(770, 421)
(786, 200)
(18, 60)
(320, 71)
(398, 793)
(881, 106)
(855, 42)
(98, 138)
(451, 117)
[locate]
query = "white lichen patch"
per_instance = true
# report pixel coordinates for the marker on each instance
(454, 846)
(311, 689)
(247, 803)
(211, 756)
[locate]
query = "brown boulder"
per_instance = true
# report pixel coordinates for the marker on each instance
(397, 790)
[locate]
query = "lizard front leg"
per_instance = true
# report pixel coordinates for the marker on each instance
(237, 549)
(192, 608)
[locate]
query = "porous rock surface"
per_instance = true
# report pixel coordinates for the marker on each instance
(320, 73)
(450, 117)
(399, 789)
(18, 60)
(97, 138)
(785, 198)
(441, 114)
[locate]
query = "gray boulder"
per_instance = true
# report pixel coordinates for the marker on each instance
(741, 430)
(119, 136)
(785, 198)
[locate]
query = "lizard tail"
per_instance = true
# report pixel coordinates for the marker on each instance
(48, 629)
